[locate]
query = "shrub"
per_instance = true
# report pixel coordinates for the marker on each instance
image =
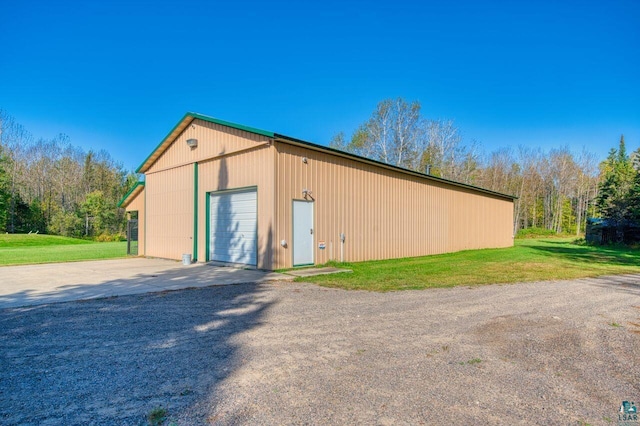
(108, 238)
(535, 233)
(66, 224)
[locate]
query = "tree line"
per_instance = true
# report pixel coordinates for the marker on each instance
(51, 186)
(557, 189)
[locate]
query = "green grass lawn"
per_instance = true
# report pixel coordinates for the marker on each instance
(21, 249)
(528, 260)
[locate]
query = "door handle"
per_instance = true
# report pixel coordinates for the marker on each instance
(311, 231)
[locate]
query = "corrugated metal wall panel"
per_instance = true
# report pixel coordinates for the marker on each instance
(383, 213)
(254, 168)
(213, 140)
(138, 204)
(170, 188)
(169, 201)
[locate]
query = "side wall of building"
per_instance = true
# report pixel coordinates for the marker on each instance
(382, 213)
(169, 212)
(138, 204)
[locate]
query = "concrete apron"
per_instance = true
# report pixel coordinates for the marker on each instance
(28, 285)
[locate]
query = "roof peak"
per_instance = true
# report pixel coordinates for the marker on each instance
(182, 124)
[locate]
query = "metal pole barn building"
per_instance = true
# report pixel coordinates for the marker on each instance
(229, 193)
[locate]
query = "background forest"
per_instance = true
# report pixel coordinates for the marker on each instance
(557, 190)
(52, 186)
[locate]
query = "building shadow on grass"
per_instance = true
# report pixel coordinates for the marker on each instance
(114, 360)
(590, 254)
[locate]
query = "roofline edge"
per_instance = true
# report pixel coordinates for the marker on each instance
(138, 184)
(355, 157)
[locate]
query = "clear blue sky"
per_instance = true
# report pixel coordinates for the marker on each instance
(118, 75)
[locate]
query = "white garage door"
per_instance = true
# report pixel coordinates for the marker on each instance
(233, 227)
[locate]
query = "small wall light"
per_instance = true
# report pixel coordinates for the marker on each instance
(192, 143)
(304, 160)
(283, 243)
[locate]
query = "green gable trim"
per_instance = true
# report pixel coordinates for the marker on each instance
(131, 191)
(146, 160)
(182, 124)
(232, 125)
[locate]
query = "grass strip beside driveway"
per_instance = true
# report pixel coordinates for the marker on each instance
(528, 260)
(31, 249)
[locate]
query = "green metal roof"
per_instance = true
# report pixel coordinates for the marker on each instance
(139, 186)
(183, 124)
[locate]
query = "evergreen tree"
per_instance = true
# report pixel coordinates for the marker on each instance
(634, 193)
(634, 199)
(614, 202)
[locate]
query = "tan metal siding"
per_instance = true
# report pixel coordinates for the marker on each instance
(253, 168)
(383, 213)
(170, 187)
(137, 204)
(169, 202)
(213, 140)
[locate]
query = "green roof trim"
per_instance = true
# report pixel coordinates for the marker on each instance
(230, 124)
(131, 191)
(182, 124)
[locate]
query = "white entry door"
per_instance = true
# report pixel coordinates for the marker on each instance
(302, 233)
(233, 227)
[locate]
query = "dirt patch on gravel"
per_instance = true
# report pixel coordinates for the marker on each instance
(283, 353)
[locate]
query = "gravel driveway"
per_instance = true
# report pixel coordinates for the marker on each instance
(284, 353)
